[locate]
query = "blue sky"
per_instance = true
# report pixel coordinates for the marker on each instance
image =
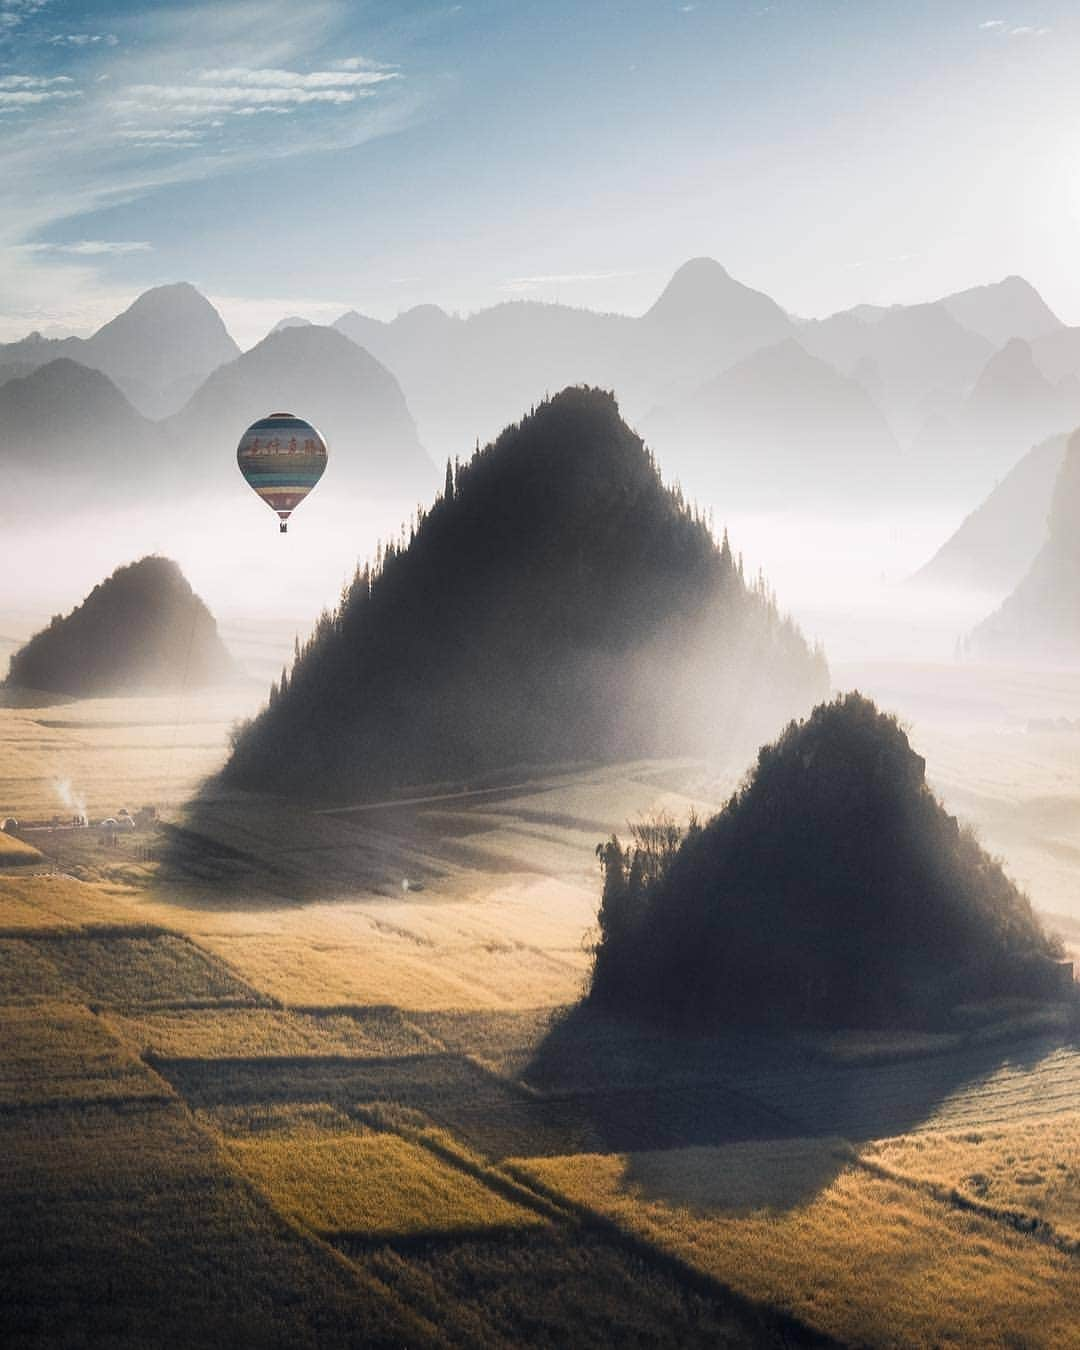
(312, 157)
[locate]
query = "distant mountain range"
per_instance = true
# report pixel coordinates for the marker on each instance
(141, 629)
(784, 418)
(157, 352)
(949, 394)
(927, 370)
(1011, 407)
(556, 603)
(908, 358)
(69, 438)
(319, 374)
(998, 542)
(1040, 620)
(1006, 309)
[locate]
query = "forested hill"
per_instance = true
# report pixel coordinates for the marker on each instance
(556, 603)
(832, 889)
(143, 628)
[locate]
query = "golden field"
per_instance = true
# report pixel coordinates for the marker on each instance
(271, 1071)
(866, 1260)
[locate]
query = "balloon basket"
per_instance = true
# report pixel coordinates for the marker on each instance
(284, 527)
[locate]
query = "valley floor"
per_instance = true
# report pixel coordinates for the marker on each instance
(276, 1076)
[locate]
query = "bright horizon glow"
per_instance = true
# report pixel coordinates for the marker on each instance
(320, 158)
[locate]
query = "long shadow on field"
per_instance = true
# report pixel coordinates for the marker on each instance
(239, 850)
(742, 1121)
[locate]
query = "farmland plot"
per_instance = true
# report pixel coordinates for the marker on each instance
(857, 1256)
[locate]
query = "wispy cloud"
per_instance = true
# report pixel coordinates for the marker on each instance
(83, 39)
(15, 12)
(1013, 30)
(187, 91)
(538, 282)
(294, 79)
(359, 63)
(27, 91)
(93, 248)
(177, 138)
(33, 81)
(243, 91)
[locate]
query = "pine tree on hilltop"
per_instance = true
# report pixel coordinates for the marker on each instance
(557, 602)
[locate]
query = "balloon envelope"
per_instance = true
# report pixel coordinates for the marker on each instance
(282, 457)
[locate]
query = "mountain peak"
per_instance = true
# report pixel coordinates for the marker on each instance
(543, 609)
(1003, 309)
(716, 318)
(697, 285)
(1011, 373)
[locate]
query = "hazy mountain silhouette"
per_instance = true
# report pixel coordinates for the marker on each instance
(907, 356)
(1057, 355)
(832, 889)
(779, 427)
(1011, 407)
(290, 321)
(16, 370)
(1040, 620)
(556, 603)
(143, 628)
(320, 375)
(467, 377)
(70, 439)
(997, 542)
(1011, 386)
(705, 320)
(157, 351)
(1003, 310)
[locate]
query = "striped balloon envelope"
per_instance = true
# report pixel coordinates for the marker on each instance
(282, 457)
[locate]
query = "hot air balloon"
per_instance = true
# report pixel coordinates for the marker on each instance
(282, 457)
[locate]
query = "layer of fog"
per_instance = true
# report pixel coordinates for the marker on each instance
(844, 580)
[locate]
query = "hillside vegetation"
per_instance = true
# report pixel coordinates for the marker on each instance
(832, 889)
(558, 602)
(142, 628)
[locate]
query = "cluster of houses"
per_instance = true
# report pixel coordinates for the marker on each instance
(142, 819)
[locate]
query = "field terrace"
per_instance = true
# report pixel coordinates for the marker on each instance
(329, 1066)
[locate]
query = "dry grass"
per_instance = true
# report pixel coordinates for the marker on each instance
(554, 1286)
(373, 1184)
(269, 1120)
(125, 1227)
(16, 851)
(115, 752)
(503, 1042)
(311, 911)
(1030, 1170)
(243, 1033)
(57, 901)
(54, 1052)
(365, 964)
(864, 1259)
(26, 973)
(147, 971)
